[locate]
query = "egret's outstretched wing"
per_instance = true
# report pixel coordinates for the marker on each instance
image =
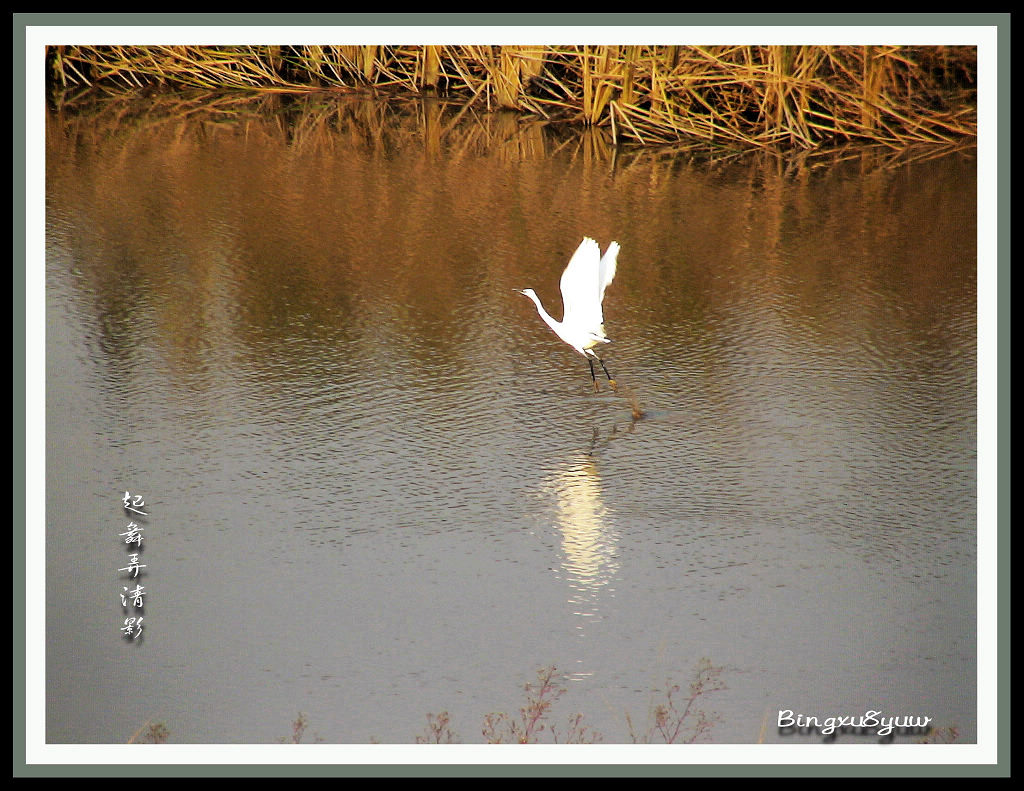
(608, 262)
(583, 283)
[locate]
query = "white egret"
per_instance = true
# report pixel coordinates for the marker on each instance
(583, 283)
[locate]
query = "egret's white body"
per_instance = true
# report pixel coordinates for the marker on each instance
(583, 283)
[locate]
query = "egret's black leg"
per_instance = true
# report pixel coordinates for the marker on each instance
(592, 377)
(603, 369)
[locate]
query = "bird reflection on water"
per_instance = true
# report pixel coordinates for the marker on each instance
(589, 541)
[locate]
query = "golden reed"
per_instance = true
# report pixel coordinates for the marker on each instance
(736, 96)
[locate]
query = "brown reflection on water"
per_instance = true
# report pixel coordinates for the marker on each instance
(243, 220)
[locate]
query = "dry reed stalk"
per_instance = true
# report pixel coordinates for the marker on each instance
(431, 66)
(505, 75)
(363, 59)
(629, 74)
(607, 78)
(587, 84)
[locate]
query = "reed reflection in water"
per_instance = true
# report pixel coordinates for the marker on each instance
(376, 486)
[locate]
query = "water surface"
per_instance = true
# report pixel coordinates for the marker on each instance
(379, 486)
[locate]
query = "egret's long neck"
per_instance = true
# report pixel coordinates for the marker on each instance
(543, 313)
